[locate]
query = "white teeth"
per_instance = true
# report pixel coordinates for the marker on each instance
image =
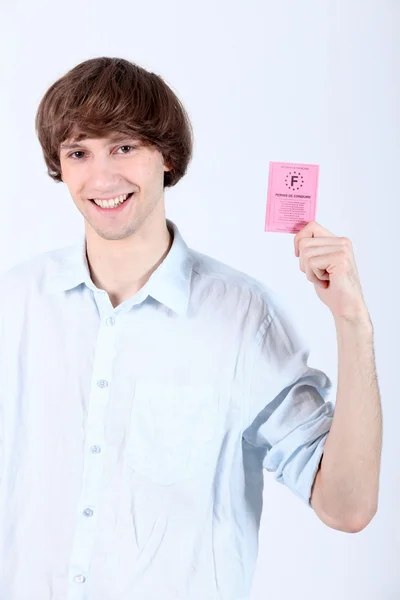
(111, 203)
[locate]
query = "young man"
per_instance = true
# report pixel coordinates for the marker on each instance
(146, 387)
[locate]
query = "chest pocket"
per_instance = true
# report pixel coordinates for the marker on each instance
(173, 430)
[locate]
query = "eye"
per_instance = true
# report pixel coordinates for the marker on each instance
(72, 155)
(132, 147)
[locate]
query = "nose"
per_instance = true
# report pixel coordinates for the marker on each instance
(103, 176)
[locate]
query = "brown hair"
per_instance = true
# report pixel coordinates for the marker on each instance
(102, 96)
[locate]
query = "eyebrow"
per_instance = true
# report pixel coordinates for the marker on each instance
(113, 140)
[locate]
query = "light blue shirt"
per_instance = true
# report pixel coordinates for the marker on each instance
(134, 439)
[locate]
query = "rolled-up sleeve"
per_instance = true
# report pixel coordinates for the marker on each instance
(288, 416)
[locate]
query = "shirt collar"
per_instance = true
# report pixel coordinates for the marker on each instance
(169, 283)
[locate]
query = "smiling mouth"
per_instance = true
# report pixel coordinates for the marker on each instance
(128, 196)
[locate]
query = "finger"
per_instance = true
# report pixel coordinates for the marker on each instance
(320, 277)
(322, 267)
(306, 243)
(311, 251)
(311, 230)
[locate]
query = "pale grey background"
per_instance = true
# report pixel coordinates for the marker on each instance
(313, 81)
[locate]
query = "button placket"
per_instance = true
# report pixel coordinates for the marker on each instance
(86, 524)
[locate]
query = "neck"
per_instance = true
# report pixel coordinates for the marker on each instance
(122, 267)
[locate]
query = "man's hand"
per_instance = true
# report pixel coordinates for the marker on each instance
(329, 263)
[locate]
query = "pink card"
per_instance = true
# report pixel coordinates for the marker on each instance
(292, 196)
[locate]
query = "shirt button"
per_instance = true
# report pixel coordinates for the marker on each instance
(80, 579)
(88, 512)
(110, 321)
(102, 383)
(95, 449)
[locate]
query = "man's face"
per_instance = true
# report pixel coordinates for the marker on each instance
(106, 168)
